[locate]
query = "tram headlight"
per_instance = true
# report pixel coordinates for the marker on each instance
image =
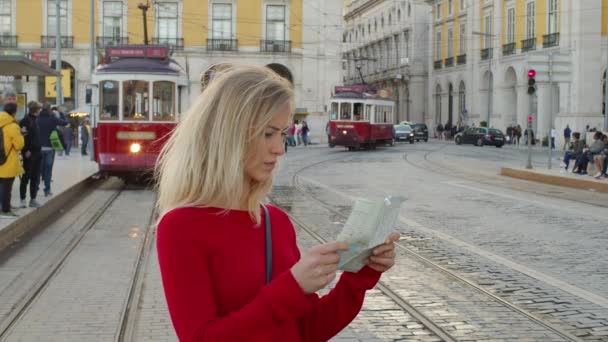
(135, 148)
(344, 132)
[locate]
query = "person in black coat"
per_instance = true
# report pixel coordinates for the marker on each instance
(31, 154)
(47, 123)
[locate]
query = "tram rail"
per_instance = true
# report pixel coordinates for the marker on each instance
(403, 303)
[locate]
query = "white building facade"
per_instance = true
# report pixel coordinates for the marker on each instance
(385, 43)
(482, 52)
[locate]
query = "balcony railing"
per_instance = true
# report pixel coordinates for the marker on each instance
(487, 53)
(8, 41)
(50, 42)
(275, 45)
(175, 43)
(462, 59)
(528, 44)
(508, 49)
(222, 44)
(438, 64)
(449, 62)
(551, 40)
(103, 42)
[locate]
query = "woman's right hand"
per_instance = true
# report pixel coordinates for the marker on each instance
(318, 266)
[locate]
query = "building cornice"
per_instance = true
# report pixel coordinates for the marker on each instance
(366, 6)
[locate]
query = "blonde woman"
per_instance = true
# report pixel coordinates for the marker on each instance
(212, 177)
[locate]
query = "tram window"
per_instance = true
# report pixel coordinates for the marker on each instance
(334, 110)
(368, 111)
(345, 111)
(358, 111)
(163, 101)
(108, 100)
(135, 97)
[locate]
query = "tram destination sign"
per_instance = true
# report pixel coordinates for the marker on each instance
(137, 51)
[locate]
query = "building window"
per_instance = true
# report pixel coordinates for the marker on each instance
(450, 8)
(552, 19)
(450, 43)
(462, 3)
(510, 25)
(406, 44)
(463, 39)
(530, 20)
(112, 19)
(51, 21)
(438, 11)
(275, 23)
(221, 21)
(167, 16)
(399, 14)
(6, 20)
(487, 39)
(438, 46)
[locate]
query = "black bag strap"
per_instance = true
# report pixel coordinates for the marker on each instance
(268, 244)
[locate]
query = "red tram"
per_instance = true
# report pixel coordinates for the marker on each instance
(140, 91)
(360, 117)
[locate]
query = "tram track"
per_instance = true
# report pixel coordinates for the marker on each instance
(127, 317)
(400, 301)
(53, 267)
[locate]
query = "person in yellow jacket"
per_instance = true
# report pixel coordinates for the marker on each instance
(11, 168)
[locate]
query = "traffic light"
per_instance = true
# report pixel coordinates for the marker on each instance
(531, 81)
(530, 118)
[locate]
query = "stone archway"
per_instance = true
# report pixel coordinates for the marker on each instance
(210, 73)
(450, 103)
(437, 105)
(462, 104)
(281, 70)
(47, 92)
(487, 87)
(510, 97)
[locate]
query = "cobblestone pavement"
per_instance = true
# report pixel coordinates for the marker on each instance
(543, 253)
(86, 298)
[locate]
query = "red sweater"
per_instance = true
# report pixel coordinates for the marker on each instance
(213, 272)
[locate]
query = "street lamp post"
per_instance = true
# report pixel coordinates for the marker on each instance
(490, 55)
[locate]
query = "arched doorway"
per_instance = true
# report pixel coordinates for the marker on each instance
(281, 70)
(604, 94)
(450, 103)
(487, 86)
(510, 96)
(437, 105)
(462, 104)
(210, 73)
(47, 86)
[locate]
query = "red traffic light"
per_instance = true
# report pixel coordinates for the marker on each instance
(531, 73)
(529, 119)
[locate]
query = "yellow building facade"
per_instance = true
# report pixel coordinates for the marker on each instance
(303, 39)
(185, 23)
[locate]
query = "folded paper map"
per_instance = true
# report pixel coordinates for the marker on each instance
(368, 226)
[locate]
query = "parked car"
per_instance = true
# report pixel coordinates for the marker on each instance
(403, 132)
(421, 132)
(480, 136)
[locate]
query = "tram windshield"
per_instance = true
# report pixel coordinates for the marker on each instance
(135, 100)
(109, 100)
(163, 101)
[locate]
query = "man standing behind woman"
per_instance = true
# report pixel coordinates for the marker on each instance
(13, 143)
(31, 155)
(47, 123)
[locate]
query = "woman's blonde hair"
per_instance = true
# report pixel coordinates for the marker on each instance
(203, 162)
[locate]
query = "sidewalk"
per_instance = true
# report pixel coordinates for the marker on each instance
(557, 176)
(67, 171)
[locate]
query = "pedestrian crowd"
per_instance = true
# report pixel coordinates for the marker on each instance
(586, 156)
(297, 134)
(29, 148)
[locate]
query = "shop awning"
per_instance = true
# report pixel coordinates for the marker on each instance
(21, 66)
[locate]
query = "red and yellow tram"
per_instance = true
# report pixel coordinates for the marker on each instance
(140, 93)
(360, 117)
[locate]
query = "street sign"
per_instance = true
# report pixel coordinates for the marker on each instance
(40, 56)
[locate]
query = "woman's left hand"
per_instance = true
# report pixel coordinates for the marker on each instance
(383, 256)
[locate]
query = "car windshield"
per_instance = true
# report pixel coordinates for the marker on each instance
(403, 128)
(495, 132)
